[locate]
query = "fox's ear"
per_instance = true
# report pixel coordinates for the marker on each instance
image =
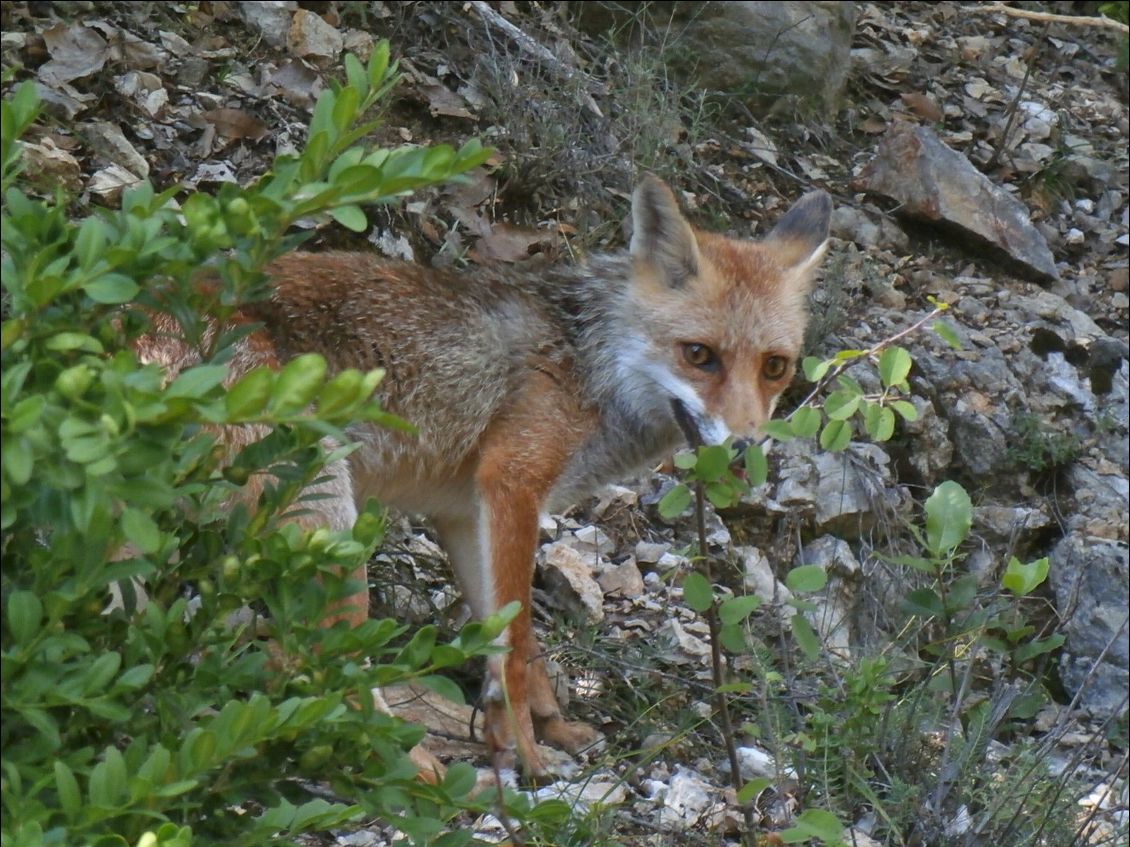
(660, 233)
(801, 236)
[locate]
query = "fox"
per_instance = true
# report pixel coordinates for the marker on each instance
(529, 388)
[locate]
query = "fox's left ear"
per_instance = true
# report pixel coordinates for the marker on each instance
(660, 233)
(801, 236)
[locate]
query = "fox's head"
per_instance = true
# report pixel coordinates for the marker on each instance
(720, 321)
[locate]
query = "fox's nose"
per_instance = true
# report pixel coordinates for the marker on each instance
(740, 444)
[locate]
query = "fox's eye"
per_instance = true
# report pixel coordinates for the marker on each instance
(700, 356)
(774, 367)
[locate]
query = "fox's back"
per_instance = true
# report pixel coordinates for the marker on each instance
(454, 346)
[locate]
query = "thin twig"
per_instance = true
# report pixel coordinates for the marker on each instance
(1071, 20)
(529, 45)
(721, 703)
(1014, 106)
(886, 342)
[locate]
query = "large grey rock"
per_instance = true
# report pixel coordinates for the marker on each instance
(938, 185)
(763, 51)
(1091, 577)
(848, 494)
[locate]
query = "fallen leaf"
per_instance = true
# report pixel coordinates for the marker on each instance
(507, 243)
(923, 106)
(109, 183)
(236, 124)
(76, 51)
(443, 101)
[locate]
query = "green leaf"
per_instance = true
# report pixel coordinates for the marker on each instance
(675, 502)
(197, 382)
(250, 395)
(141, 530)
(460, 779)
(806, 579)
(778, 430)
(947, 333)
(814, 823)
(926, 603)
(1038, 647)
(836, 436)
(111, 289)
(712, 462)
(697, 592)
(806, 638)
(814, 369)
(907, 410)
(894, 366)
(841, 404)
(351, 217)
(736, 609)
(443, 686)
(748, 792)
(1022, 579)
(884, 425)
(949, 514)
(756, 467)
(25, 611)
(805, 422)
(70, 797)
(297, 383)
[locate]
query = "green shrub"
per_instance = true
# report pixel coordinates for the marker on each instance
(161, 718)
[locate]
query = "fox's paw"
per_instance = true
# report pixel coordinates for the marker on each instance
(573, 737)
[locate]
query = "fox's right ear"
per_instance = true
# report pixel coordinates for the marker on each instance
(801, 236)
(660, 233)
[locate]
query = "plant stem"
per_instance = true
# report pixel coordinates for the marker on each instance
(721, 703)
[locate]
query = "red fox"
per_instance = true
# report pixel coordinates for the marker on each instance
(531, 387)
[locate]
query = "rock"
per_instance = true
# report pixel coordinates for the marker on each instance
(650, 552)
(844, 492)
(790, 54)
(936, 184)
(1091, 578)
(932, 451)
(831, 613)
(691, 647)
(852, 224)
(754, 762)
(271, 18)
(758, 577)
(1004, 524)
(593, 539)
(311, 37)
(686, 798)
(568, 575)
(609, 791)
(623, 580)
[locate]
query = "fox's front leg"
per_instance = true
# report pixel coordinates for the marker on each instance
(521, 458)
(508, 530)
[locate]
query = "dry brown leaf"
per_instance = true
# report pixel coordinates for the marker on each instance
(507, 243)
(873, 125)
(923, 106)
(76, 51)
(443, 101)
(297, 83)
(236, 124)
